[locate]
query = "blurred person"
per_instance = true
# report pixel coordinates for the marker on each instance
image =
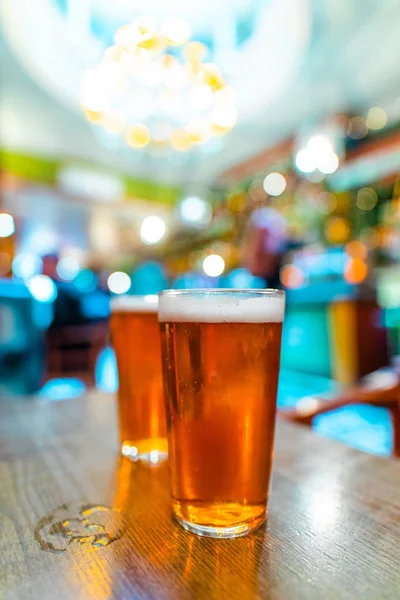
(79, 329)
(265, 245)
(96, 300)
(67, 306)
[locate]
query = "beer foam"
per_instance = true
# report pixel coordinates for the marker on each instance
(134, 304)
(222, 308)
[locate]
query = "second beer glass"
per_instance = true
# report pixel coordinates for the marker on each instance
(136, 340)
(221, 352)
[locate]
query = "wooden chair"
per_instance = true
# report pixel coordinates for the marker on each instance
(381, 388)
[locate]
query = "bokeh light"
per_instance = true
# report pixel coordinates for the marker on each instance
(329, 164)
(292, 276)
(356, 249)
(196, 211)
(199, 132)
(7, 226)
(25, 266)
(367, 198)
(138, 136)
(328, 203)
(42, 288)
(113, 124)
(177, 30)
(242, 278)
(320, 145)
(85, 281)
(68, 268)
(211, 75)
(318, 154)
(180, 140)
(274, 184)
(224, 118)
(337, 230)
(119, 282)
(357, 128)
(355, 270)
(201, 97)
(377, 118)
(152, 230)
(195, 52)
(316, 176)
(213, 265)
(144, 78)
(148, 278)
(305, 161)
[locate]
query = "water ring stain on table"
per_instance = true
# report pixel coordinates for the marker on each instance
(87, 524)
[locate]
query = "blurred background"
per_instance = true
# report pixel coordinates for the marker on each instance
(232, 143)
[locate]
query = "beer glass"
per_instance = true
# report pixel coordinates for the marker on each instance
(221, 353)
(136, 339)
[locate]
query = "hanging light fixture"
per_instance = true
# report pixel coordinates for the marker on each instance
(153, 87)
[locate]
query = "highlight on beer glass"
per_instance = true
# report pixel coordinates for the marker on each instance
(221, 355)
(141, 413)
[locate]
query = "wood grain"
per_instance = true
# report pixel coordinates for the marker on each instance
(333, 530)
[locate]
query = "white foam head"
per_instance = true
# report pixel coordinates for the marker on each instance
(134, 304)
(227, 306)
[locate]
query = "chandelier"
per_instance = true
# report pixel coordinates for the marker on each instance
(153, 86)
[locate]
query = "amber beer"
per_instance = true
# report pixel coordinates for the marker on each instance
(221, 353)
(136, 340)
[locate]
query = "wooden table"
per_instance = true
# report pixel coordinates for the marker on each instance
(77, 523)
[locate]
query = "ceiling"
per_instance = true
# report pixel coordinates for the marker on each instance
(292, 63)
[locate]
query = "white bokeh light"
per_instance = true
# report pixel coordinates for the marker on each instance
(42, 288)
(201, 97)
(224, 116)
(274, 184)
(177, 30)
(213, 265)
(195, 210)
(329, 163)
(152, 230)
(7, 226)
(67, 268)
(119, 282)
(320, 145)
(26, 265)
(305, 161)
(155, 457)
(318, 154)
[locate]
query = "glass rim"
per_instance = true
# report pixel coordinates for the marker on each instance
(134, 303)
(255, 292)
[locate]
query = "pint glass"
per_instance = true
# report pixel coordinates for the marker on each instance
(136, 339)
(221, 353)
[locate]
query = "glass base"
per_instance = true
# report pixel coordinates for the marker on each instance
(148, 451)
(219, 519)
(221, 532)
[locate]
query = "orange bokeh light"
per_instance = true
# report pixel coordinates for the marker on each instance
(292, 276)
(337, 230)
(355, 270)
(356, 249)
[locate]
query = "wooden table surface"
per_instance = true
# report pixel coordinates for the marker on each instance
(76, 522)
